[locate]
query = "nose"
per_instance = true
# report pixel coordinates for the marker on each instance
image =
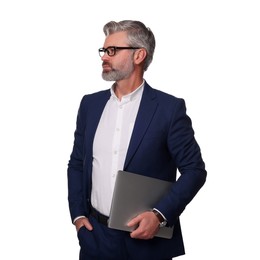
(105, 57)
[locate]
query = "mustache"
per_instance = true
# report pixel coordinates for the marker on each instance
(106, 63)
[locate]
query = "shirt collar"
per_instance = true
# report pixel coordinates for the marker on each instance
(131, 96)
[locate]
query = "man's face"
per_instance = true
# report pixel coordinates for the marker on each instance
(120, 66)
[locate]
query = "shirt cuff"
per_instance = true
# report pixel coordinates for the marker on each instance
(160, 213)
(78, 218)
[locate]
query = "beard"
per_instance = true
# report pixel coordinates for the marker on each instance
(121, 73)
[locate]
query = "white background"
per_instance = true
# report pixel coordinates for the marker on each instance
(207, 53)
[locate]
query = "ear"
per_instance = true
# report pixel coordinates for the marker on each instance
(140, 55)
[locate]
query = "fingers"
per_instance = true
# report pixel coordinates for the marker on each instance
(88, 225)
(83, 222)
(142, 234)
(147, 226)
(135, 221)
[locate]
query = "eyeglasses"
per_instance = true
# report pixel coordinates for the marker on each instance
(111, 50)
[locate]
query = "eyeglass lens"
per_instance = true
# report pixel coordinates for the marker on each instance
(111, 51)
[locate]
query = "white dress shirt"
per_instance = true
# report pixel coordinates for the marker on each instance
(110, 145)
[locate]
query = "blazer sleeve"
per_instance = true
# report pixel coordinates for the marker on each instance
(75, 168)
(186, 153)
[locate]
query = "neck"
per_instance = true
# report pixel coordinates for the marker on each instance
(126, 86)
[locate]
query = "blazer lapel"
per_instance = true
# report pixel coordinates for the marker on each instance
(145, 114)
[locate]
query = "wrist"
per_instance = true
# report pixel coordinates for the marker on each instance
(79, 217)
(161, 219)
(158, 215)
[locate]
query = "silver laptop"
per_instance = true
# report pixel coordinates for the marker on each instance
(134, 194)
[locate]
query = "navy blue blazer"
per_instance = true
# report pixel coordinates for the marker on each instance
(162, 141)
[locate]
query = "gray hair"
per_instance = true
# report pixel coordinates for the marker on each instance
(138, 36)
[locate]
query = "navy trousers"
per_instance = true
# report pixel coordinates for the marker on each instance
(103, 243)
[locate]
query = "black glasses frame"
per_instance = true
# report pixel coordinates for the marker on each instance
(111, 50)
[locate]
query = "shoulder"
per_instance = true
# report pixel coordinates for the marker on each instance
(96, 95)
(163, 98)
(91, 102)
(95, 98)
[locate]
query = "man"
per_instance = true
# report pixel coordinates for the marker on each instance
(136, 128)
